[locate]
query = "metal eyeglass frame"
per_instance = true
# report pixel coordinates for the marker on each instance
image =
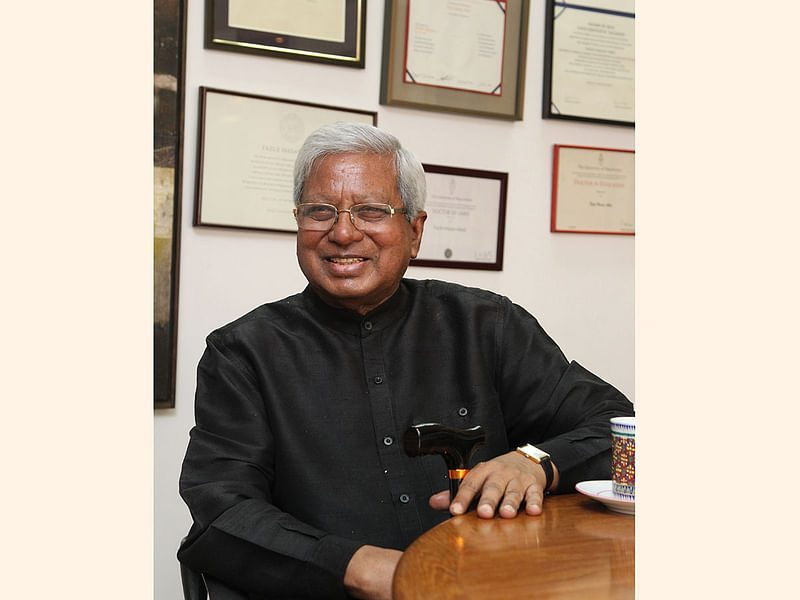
(389, 211)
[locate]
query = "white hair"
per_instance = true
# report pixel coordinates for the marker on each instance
(343, 138)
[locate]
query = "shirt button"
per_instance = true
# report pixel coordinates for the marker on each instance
(388, 441)
(378, 379)
(462, 411)
(404, 498)
(368, 325)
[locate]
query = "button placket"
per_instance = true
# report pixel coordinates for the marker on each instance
(390, 453)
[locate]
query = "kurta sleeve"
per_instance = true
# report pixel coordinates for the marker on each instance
(553, 403)
(238, 535)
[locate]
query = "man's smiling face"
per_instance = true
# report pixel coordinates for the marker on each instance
(346, 267)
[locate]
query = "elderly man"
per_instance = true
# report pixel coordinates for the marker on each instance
(294, 474)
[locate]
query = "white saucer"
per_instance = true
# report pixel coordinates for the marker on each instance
(601, 491)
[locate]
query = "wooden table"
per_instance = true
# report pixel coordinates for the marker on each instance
(576, 548)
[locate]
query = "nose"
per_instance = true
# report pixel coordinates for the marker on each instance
(344, 230)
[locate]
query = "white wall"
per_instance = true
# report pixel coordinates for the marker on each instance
(579, 286)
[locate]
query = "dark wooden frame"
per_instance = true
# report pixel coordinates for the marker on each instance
(350, 53)
(169, 39)
(394, 91)
(501, 221)
(547, 80)
(201, 147)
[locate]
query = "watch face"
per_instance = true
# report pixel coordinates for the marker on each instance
(534, 452)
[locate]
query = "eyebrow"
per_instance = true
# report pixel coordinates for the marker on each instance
(364, 199)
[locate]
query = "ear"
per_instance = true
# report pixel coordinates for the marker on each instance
(417, 225)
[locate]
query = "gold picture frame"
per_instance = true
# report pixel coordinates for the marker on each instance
(326, 32)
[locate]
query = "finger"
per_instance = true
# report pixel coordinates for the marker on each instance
(511, 500)
(533, 500)
(493, 490)
(440, 501)
(468, 489)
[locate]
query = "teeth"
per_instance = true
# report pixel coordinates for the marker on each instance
(345, 261)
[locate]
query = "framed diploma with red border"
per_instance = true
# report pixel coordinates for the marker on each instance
(593, 190)
(466, 220)
(464, 57)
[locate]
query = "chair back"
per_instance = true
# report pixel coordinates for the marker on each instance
(194, 586)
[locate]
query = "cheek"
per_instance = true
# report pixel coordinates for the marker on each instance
(396, 253)
(307, 241)
(305, 249)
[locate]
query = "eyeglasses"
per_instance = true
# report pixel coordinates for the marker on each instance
(316, 216)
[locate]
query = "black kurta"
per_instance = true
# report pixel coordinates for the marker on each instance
(296, 459)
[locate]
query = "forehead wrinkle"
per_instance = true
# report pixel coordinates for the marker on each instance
(337, 180)
(338, 196)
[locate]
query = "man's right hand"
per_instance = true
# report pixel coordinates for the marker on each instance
(370, 572)
(501, 484)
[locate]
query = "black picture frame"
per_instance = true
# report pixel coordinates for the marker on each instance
(253, 191)
(349, 53)
(597, 93)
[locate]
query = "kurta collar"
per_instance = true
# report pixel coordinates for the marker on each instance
(391, 311)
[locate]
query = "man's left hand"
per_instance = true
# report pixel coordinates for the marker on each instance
(510, 478)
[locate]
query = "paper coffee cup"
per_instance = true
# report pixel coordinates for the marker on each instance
(623, 457)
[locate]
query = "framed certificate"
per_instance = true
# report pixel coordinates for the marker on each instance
(465, 56)
(593, 190)
(589, 61)
(329, 31)
(466, 221)
(246, 153)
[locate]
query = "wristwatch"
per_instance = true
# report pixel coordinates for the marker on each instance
(542, 458)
